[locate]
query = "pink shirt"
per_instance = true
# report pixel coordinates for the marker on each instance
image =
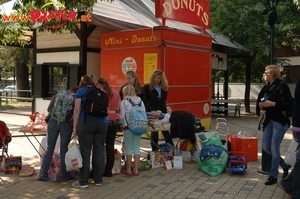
(114, 105)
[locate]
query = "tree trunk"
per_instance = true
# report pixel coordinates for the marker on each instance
(22, 72)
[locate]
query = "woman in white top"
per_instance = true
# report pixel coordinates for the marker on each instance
(132, 141)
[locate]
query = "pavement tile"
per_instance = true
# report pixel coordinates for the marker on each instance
(187, 183)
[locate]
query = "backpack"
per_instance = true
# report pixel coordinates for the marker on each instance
(137, 118)
(95, 102)
(63, 107)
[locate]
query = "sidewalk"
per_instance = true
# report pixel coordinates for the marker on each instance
(188, 182)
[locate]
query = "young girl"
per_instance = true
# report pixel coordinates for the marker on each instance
(132, 146)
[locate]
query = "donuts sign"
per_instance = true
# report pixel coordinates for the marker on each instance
(192, 12)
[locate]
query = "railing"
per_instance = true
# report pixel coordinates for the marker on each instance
(13, 95)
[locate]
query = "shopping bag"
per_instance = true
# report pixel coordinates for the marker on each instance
(290, 157)
(117, 163)
(73, 157)
(244, 142)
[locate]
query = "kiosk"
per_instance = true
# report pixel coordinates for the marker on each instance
(185, 57)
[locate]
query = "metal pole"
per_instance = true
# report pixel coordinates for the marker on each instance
(266, 159)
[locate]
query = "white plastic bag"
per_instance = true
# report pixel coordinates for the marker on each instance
(73, 157)
(290, 157)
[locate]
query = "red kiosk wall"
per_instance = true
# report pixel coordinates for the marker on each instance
(184, 57)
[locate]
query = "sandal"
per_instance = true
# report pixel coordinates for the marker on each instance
(127, 173)
(135, 174)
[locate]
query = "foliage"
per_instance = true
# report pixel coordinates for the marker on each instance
(5, 107)
(12, 33)
(245, 21)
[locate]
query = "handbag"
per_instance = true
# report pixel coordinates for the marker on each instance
(73, 156)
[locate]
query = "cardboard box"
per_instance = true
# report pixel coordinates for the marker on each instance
(13, 164)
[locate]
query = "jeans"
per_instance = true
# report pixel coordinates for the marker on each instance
(272, 138)
(91, 137)
(292, 182)
(154, 139)
(112, 130)
(54, 129)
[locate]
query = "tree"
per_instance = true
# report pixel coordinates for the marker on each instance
(245, 21)
(12, 33)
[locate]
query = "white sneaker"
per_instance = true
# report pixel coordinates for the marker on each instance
(98, 184)
(76, 184)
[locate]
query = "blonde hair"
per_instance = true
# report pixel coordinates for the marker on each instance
(128, 91)
(274, 71)
(163, 83)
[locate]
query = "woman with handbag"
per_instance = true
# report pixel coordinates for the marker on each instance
(91, 132)
(276, 102)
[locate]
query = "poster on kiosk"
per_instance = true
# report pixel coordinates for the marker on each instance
(184, 57)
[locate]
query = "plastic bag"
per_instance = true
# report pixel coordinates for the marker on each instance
(73, 157)
(290, 157)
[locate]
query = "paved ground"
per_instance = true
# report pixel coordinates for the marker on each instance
(188, 182)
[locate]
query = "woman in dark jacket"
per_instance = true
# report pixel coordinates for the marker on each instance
(154, 95)
(277, 102)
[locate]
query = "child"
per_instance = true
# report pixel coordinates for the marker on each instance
(132, 146)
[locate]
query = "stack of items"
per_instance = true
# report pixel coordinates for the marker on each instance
(37, 122)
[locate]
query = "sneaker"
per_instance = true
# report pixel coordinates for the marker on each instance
(98, 183)
(286, 191)
(271, 181)
(42, 179)
(107, 174)
(286, 171)
(76, 184)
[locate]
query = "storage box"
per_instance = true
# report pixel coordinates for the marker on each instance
(13, 164)
(187, 156)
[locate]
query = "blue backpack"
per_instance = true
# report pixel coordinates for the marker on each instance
(137, 120)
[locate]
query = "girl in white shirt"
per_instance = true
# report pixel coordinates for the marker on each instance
(132, 141)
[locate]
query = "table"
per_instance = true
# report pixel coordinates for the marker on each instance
(35, 132)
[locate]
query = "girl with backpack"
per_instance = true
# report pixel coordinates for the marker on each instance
(132, 146)
(91, 132)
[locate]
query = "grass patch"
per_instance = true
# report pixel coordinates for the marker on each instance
(5, 107)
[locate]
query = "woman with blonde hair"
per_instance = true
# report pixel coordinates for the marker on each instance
(155, 94)
(276, 102)
(132, 146)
